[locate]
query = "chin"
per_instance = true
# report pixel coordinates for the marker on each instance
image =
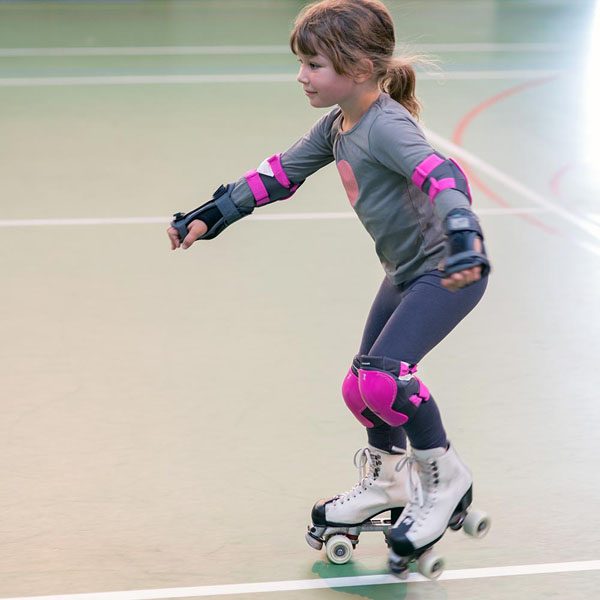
(317, 102)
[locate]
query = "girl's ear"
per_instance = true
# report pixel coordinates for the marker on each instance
(363, 70)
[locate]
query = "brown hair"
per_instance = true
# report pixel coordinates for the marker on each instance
(349, 31)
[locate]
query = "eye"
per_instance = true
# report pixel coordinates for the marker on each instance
(311, 65)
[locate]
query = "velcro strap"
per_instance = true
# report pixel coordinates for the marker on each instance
(397, 368)
(466, 260)
(461, 220)
(228, 209)
(277, 168)
(435, 174)
(422, 395)
(435, 186)
(257, 187)
(424, 169)
(406, 369)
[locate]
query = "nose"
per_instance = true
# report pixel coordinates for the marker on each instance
(302, 78)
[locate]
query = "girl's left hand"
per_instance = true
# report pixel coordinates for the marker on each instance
(459, 280)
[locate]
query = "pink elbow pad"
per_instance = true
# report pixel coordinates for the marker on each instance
(270, 182)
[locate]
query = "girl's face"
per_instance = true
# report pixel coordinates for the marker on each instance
(321, 84)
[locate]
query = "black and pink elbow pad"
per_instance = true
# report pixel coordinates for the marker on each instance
(436, 173)
(269, 182)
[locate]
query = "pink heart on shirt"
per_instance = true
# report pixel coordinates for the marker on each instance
(349, 180)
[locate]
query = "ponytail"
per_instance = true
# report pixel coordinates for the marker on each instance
(400, 83)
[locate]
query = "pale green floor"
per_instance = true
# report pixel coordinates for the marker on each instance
(168, 419)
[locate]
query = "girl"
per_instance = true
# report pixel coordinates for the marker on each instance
(415, 204)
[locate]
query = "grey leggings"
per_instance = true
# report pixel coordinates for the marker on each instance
(405, 323)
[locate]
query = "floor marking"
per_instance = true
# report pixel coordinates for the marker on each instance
(143, 51)
(307, 216)
(556, 179)
(589, 247)
(594, 217)
(312, 584)
(273, 49)
(488, 47)
(590, 228)
(491, 101)
(246, 78)
(466, 121)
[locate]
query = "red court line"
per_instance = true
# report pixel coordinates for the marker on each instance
(464, 123)
(557, 178)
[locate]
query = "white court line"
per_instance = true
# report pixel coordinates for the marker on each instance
(459, 152)
(487, 47)
(273, 49)
(312, 584)
(581, 222)
(247, 78)
(594, 217)
(589, 247)
(307, 216)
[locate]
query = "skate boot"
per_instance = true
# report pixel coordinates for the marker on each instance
(441, 494)
(337, 522)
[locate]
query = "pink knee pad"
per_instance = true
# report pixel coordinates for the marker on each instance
(394, 400)
(353, 398)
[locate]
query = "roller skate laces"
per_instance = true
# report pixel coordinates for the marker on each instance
(440, 495)
(368, 464)
(423, 482)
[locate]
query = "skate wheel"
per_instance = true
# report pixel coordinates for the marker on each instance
(477, 524)
(398, 566)
(338, 549)
(313, 542)
(431, 565)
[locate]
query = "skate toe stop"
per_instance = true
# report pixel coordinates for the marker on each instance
(401, 545)
(318, 512)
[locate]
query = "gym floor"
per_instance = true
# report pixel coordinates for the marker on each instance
(169, 418)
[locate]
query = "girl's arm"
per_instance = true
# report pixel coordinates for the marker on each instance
(397, 142)
(276, 178)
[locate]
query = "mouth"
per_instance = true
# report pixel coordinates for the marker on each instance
(309, 93)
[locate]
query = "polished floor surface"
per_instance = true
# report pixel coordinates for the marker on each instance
(168, 418)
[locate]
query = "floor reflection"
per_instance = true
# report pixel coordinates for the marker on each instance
(397, 591)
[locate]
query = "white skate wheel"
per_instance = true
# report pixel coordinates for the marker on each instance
(338, 549)
(431, 565)
(477, 524)
(312, 542)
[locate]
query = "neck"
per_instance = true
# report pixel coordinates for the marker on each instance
(354, 108)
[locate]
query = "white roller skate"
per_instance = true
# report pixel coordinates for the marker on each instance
(441, 494)
(337, 522)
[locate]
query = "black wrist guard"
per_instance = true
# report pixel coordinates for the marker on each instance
(462, 229)
(218, 213)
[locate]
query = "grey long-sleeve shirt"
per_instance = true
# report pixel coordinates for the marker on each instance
(376, 159)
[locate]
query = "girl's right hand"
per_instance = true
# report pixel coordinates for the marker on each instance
(196, 229)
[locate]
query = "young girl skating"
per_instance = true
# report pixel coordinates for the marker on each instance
(416, 205)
